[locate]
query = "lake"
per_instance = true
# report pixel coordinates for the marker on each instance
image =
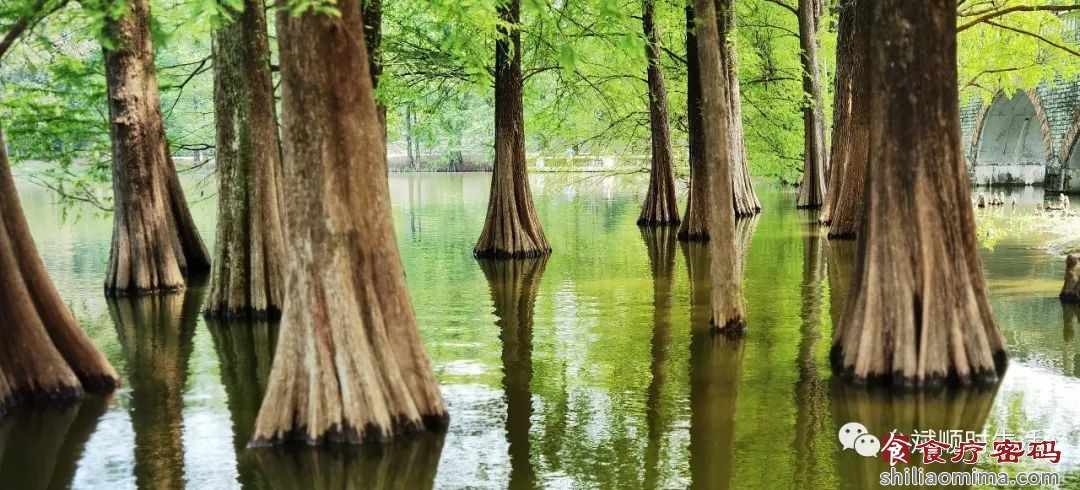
(591, 368)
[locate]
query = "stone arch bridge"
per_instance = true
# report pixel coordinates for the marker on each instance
(1030, 138)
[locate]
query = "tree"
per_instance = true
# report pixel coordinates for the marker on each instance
(43, 353)
(250, 247)
(918, 312)
(514, 285)
(155, 243)
(815, 164)
(851, 128)
(744, 200)
(372, 12)
(511, 229)
(349, 366)
(660, 207)
(727, 303)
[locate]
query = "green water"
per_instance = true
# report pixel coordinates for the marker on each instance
(589, 369)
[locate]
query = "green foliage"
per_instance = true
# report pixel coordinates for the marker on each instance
(584, 65)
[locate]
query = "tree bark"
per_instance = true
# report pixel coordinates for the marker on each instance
(247, 280)
(155, 243)
(372, 13)
(514, 285)
(745, 199)
(350, 366)
(918, 313)
(845, 55)
(851, 132)
(43, 353)
(727, 302)
(815, 167)
(511, 229)
(660, 207)
(413, 162)
(1070, 290)
(694, 226)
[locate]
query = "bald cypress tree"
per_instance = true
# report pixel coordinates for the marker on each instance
(155, 244)
(918, 312)
(349, 365)
(660, 207)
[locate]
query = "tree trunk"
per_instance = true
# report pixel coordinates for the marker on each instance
(745, 199)
(1070, 290)
(409, 138)
(155, 243)
(511, 229)
(815, 168)
(727, 300)
(157, 335)
(43, 353)
(372, 14)
(695, 221)
(349, 366)
(845, 46)
(247, 278)
(514, 285)
(660, 207)
(918, 312)
(851, 131)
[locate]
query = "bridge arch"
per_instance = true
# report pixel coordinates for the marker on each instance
(1070, 154)
(1011, 142)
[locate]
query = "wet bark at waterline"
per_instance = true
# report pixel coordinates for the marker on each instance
(918, 312)
(44, 355)
(1070, 290)
(511, 229)
(247, 279)
(851, 132)
(155, 243)
(349, 365)
(727, 301)
(815, 165)
(660, 207)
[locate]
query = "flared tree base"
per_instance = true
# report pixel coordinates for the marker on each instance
(985, 377)
(505, 254)
(347, 435)
(219, 313)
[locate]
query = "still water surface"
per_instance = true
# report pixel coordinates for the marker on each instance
(591, 368)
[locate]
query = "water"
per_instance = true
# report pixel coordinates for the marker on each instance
(587, 369)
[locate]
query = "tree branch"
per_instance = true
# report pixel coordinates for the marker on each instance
(1036, 36)
(786, 6)
(19, 27)
(1018, 8)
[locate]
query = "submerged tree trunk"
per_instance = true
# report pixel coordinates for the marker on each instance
(660, 207)
(349, 366)
(247, 278)
(511, 229)
(155, 244)
(918, 312)
(514, 285)
(851, 132)
(695, 220)
(815, 168)
(727, 302)
(43, 353)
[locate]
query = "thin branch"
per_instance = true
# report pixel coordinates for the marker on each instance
(19, 27)
(1036, 36)
(1018, 8)
(786, 6)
